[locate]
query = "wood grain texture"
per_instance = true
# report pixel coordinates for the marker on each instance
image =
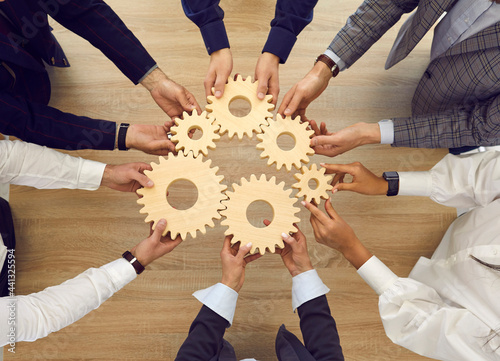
(61, 233)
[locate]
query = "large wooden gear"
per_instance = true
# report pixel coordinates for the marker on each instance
(202, 122)
(201, 214)
(248, 124)
(321, 180)
(259, 190)
(288, 158)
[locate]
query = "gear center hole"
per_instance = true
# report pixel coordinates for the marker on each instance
(182, 194)
(286, 141)
(259, 210)
(196, 132)
(313, 183)
(240, 106)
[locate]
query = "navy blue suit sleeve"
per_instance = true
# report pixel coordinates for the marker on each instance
(208, 16)
(205, 337)
(319, 330)
(96, 22)
(44, 125)
(290, 18)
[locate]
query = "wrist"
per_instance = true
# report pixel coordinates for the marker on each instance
(231, 284)
(153, 79)
(141, 257)
(322, 71)
(297, 271)
(130, 137)
(107, 175)
(370, 133)
(271, 58)
(382, 186)
(356, 253)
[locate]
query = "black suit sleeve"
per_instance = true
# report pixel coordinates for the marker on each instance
(205, 337)
(319, 330)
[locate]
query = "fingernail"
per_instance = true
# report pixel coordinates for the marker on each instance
(335, 191)
(162, 222)
(303, 203)
(150, 183)
(313, 141)
(284, 235)
(261, 95)
(322, 164)
(249, 244)
(287, 111)
(218, 94)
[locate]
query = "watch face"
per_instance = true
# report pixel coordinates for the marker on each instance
(391, 175)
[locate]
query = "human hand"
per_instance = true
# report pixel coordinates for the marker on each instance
(331, 230)
(333, 144)
(151, 139)
(363, 181)
(156, 245)
(298, 98)
(234, 263)
(267, 73)
(127, 177)
(294, 255)
(171, 97)
(221, 66)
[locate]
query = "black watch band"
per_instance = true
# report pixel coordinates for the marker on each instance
(392, 179)
(139, 268)
(122, 136)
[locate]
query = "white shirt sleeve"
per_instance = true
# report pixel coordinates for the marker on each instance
(54, 308)
(219, 298)
(386, 131)
(40, 167)
(340, 63)
(307, 286)
(457, 181)
(415, 317)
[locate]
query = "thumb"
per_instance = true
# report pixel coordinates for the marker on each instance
(330, 210)
(292, 242)
(142, 179)
(161, 225)
(220, 83)
(244, 250)
(321, 140)
(262, 88)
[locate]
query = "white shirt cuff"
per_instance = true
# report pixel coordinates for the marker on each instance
(307, 286)
(91, 175)
(386, 131)
(219, 298)
(415, 183)
(377, 275)
(340, 63)
(121, 272)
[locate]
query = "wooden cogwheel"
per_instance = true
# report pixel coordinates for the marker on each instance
(201, 214)
(293, 128)
(202, 122)
(259, 190)
(322, 183)
(248, 124)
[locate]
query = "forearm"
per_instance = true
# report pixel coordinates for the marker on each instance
(44, 168)
(356, 253)
(54, 308)
(463, 125)
(366, 26)
(291, 17)
(44, 125)
(96, 22)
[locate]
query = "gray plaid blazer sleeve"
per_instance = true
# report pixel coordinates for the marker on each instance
(363, 28)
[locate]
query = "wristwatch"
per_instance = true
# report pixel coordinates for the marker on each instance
(392, 179)
(122, 136)
(139, 268)
(334, 68)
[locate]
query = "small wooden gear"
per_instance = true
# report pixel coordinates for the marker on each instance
(259, 190)
(248, 124)
(201, 214)
(322, 183)
(293, 128)
(202, 122)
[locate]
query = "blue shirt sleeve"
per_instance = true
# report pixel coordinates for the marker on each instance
(290, 18)
(208, 16)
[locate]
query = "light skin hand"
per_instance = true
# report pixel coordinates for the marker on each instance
(221, 66)
(234, 263)
(127, 177)
(155, 246)
(333, 144)
(298, 98)
(151, 139)
(331, 230)
(363, 181)
(171, 97)
(267, 73)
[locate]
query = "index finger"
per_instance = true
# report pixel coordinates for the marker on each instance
(338, 168)
(319, 215)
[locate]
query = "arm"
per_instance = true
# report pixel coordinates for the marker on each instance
(475, 124)
(42, 313)
(219, 304)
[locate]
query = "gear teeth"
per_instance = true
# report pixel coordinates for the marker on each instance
(322, 182)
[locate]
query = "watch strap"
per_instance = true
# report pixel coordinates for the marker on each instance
(122, 136)
(139, 268)
(329, 63)
(392, 179)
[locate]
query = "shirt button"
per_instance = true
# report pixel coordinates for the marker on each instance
(65, 62)
(449, 39)
(466, 20)
(53, 61)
